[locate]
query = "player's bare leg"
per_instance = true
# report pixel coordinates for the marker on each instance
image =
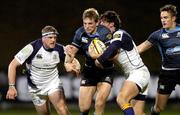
(86, 94)
(103, 91)
(127, 92)
(58, 100)
(138, 106)
(43, 109)
(160, 104)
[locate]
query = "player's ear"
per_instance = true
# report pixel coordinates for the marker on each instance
(98, 22)
(174, 18)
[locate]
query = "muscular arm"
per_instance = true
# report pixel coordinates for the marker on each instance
(12, 71)
(70, 51)
(12, 93)
(71, 64)
(144, 46)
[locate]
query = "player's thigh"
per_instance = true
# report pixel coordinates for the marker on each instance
(57, 98)
(103, 91)
(43, 109)
(128, 90)
(86, 94)
(41, 103)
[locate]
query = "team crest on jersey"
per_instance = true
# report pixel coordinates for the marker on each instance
(164, 36)
(178, 34)
(39, 56)
(117, 36)
(84, 40)
(109, 36)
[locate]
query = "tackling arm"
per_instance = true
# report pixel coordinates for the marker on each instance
(144, 46)
(71, 64)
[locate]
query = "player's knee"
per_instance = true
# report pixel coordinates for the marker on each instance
(121, 99)
(160, 109)
(62, 110)
(99, 104)
(84, 108)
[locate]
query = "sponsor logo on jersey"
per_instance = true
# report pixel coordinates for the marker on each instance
(164, 36)
(109, 36)
(117, 36)
(84, 40)
(54, 57)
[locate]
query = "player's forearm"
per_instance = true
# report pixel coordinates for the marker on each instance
(70, 52)
(110, 52)
(12, 72)
(144, 46)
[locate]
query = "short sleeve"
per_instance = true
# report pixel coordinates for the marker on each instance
(24, 53)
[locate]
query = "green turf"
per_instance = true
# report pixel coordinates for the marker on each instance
(109, 110)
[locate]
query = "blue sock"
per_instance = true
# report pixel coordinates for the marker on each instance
(127, 109)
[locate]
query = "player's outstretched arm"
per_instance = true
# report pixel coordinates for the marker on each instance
(73, 67)
(144, 46)
(12, 92)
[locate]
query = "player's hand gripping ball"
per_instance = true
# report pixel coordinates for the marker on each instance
(96, 48)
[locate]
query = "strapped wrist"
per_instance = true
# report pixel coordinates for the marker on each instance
(12, 85)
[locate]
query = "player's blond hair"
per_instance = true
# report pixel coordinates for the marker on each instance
(91, 13)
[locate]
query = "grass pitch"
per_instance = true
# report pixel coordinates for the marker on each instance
(111, 109)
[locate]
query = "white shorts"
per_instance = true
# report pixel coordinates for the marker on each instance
(141, 77)
(40, 95)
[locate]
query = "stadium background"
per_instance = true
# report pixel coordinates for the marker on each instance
(22, 20)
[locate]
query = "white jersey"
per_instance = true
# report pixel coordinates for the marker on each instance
(130, 60)
(41, 63)
(128, 56)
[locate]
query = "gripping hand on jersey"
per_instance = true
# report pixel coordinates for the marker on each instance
(73, 67)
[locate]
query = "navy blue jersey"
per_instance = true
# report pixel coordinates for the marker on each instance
(168, 43)
(128, 56)
(82, 41)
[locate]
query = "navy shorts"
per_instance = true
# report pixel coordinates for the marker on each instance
(168, 79)
(93, 75)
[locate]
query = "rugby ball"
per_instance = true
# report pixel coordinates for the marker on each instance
(96, 48)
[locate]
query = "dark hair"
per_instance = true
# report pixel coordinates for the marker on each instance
(169, 8)
(91, 13)
(111, 16)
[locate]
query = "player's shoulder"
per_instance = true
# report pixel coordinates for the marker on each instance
(120, 33)
(103, 30)
(157, 32)
(80, 30)
(36, 42)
